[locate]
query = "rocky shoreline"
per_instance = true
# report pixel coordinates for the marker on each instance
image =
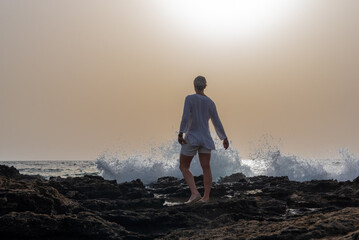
(259, 208)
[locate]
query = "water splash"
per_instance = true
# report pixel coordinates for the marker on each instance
(350, 167)
(163, 160)
(274, 163)
(295, 168)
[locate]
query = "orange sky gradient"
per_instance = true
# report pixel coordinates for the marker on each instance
(80, 77)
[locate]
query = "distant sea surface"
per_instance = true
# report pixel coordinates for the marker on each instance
(49, 169)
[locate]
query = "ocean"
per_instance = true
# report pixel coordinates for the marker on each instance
(49, 169)
(163, 160)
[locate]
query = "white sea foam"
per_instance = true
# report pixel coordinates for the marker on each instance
(164, 161)
(273, 163)
(350, 166)
(294, 167)
(266, 160)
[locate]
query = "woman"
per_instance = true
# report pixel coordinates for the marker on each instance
(198, 109)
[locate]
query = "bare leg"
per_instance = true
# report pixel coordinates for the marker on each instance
(185, 163)
(204, 159)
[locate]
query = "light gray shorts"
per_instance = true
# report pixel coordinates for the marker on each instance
(190, 150)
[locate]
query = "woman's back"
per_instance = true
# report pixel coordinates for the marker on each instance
(198, 109)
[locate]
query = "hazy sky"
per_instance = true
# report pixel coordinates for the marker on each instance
(79, 77)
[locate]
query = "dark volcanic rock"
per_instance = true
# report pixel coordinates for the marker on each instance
(84, 225)
(95, 187)
(9, 172)
(236, 177)
(242, 207)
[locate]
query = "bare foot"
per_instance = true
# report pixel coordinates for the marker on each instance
(194, 198)
(204, 200)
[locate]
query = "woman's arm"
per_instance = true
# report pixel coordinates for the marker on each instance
(219, 127)
(185, 119)
(217, 123)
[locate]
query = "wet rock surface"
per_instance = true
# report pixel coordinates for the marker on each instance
(241, 208)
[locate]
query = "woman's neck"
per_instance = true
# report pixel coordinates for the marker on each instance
(200, 93)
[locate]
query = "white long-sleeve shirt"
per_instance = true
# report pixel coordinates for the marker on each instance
(198, 109)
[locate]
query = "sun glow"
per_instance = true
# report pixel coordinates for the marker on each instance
(225, 18)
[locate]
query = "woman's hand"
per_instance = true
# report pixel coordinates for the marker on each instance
(225, 143)
(181, 140)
